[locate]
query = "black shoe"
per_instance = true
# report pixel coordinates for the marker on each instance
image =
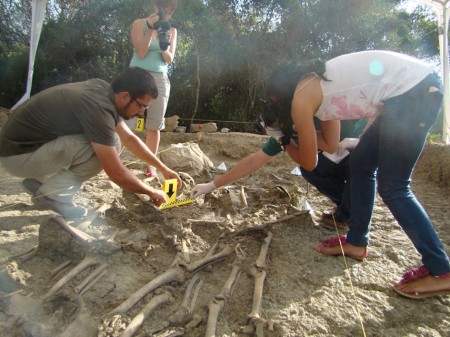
(31, 185)
(66, 209)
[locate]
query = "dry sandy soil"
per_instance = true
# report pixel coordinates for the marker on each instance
(304, 293)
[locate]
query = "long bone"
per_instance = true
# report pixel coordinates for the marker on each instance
(261, 260)
(216, 305)
(189, 303)
(259, 274)
(137, 321)
(255, 314)
(22, 257)
(86, 262)
(199, 264)
(184, 313)
(219, 301)
(91, 284)
(62, 266)
(173, 274)
(81, 236)
(261, 227)
(170, 275)
(92, 276)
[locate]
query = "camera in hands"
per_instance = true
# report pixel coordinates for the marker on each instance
(162, 28)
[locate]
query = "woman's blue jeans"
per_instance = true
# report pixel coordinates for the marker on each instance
(332, 180)
(388, 152)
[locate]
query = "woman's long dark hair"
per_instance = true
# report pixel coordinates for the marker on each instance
(281, 84)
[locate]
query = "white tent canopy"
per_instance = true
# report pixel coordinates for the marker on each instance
(37, 20)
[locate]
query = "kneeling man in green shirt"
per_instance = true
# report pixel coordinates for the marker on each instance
(67, 134)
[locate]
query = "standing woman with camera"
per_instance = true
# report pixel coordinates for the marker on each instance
(154, 43)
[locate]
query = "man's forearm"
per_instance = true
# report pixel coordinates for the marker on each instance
(141, 151)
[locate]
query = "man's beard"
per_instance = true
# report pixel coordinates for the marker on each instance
(123, 111)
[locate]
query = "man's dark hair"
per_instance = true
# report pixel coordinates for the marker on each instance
(137, 82)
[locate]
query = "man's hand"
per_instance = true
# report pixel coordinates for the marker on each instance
(170, 174)
(158, 197)
(202, 189)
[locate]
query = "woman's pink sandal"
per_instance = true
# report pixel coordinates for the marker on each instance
(415, 274)
(337, 241)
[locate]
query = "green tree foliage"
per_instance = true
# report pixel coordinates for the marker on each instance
(225, 48)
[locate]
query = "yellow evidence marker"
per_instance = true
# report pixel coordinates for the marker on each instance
(140, 123)
(170, 187)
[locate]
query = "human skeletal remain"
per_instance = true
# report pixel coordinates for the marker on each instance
(173, 274)
(184, 313)
(187, 179)
(137, 321)
(58, 269)
(86, 262)
(256, 322)
(91, 277)
(218, 303)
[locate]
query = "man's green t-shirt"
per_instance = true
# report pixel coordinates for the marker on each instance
(349, 129)
(75, 108)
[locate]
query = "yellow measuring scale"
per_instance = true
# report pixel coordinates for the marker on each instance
(170, 188)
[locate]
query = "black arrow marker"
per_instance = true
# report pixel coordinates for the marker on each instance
(170, 192)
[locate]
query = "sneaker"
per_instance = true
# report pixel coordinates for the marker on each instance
(31, 185)
(66, 209)
(150, 172)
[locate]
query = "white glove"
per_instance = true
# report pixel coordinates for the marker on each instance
(275, 134)
(349, 143)
(200, 189)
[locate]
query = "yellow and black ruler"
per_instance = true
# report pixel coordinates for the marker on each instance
(170, 188)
